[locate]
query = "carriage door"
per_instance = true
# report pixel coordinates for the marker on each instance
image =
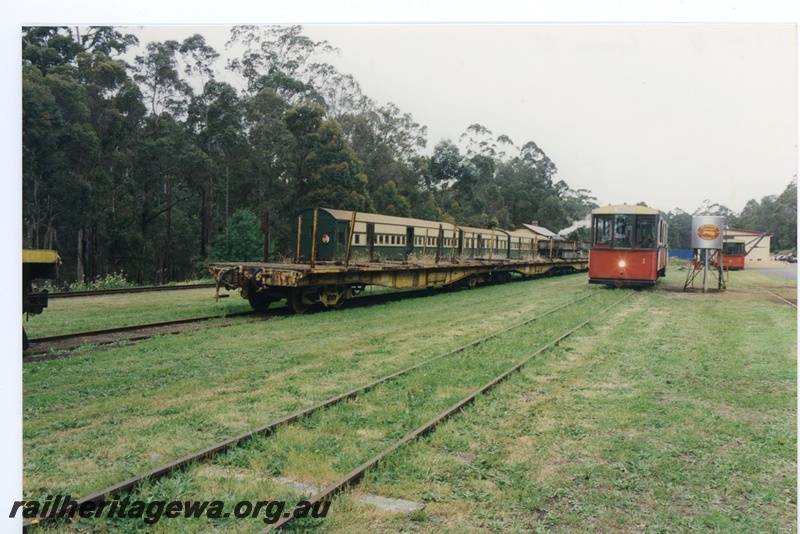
(409, 240)
(371, 239)
(342, 236)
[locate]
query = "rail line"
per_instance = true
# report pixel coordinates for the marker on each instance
(120, 291)
(44, 344)
(763, 289)
(268, 429)
(354, 476)
(42, 348)
(790, 303)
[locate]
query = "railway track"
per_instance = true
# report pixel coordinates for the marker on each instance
(122, 291)
(354, 476)
(765, 290)
(43, 348)
(787, 301)
(58, 346)
(46, 345)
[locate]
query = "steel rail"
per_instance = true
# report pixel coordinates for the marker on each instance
(129, 328)
(123, 290)
(41, 354)
(360, 300)
(780, 297)
(761, 289)
(354, 476)
(268, 429)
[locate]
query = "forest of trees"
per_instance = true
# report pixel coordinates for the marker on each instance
(154, 166)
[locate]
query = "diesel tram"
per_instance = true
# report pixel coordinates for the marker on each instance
(733, 254)
(628, 247)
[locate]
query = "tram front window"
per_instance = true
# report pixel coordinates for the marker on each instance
(646, 231)
(602, 231)
(623, 230)
(613, 231)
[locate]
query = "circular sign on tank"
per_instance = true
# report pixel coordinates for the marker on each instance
(709, 232)
(325, 238)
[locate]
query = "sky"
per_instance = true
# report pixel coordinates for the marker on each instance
(668, 103)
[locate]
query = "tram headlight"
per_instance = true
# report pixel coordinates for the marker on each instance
(621, 264)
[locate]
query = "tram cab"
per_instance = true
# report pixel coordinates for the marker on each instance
(628, 247)
(733, 254)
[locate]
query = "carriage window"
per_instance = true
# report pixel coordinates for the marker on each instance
(646, 231)
(357, 238)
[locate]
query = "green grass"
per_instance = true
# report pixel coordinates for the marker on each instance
(125, 409)
(676, 412)
(679, 420)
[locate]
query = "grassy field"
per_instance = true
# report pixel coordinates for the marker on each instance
(676, 411)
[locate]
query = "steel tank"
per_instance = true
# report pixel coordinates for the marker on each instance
(708, 232)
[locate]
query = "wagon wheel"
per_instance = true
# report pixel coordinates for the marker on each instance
(258, 299)
(296, 301)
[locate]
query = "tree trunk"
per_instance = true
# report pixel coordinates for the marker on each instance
(91, 254)
(266, 236)
(166, 269)
(81, 274)
(143, 259)
(205, 224)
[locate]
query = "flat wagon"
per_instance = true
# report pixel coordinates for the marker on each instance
(338, 253)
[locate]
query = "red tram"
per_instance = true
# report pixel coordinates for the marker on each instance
(733, 254)
(629, 246)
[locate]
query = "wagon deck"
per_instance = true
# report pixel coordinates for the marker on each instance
(331, 283)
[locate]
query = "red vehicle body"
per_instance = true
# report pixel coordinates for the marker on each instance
(629, 246)
(733, 254)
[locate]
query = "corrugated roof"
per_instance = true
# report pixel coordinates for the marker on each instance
(538, 230)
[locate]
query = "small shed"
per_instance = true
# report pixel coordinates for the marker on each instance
(540, 232)
(756, 243)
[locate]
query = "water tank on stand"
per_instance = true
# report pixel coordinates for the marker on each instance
(708, 232)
